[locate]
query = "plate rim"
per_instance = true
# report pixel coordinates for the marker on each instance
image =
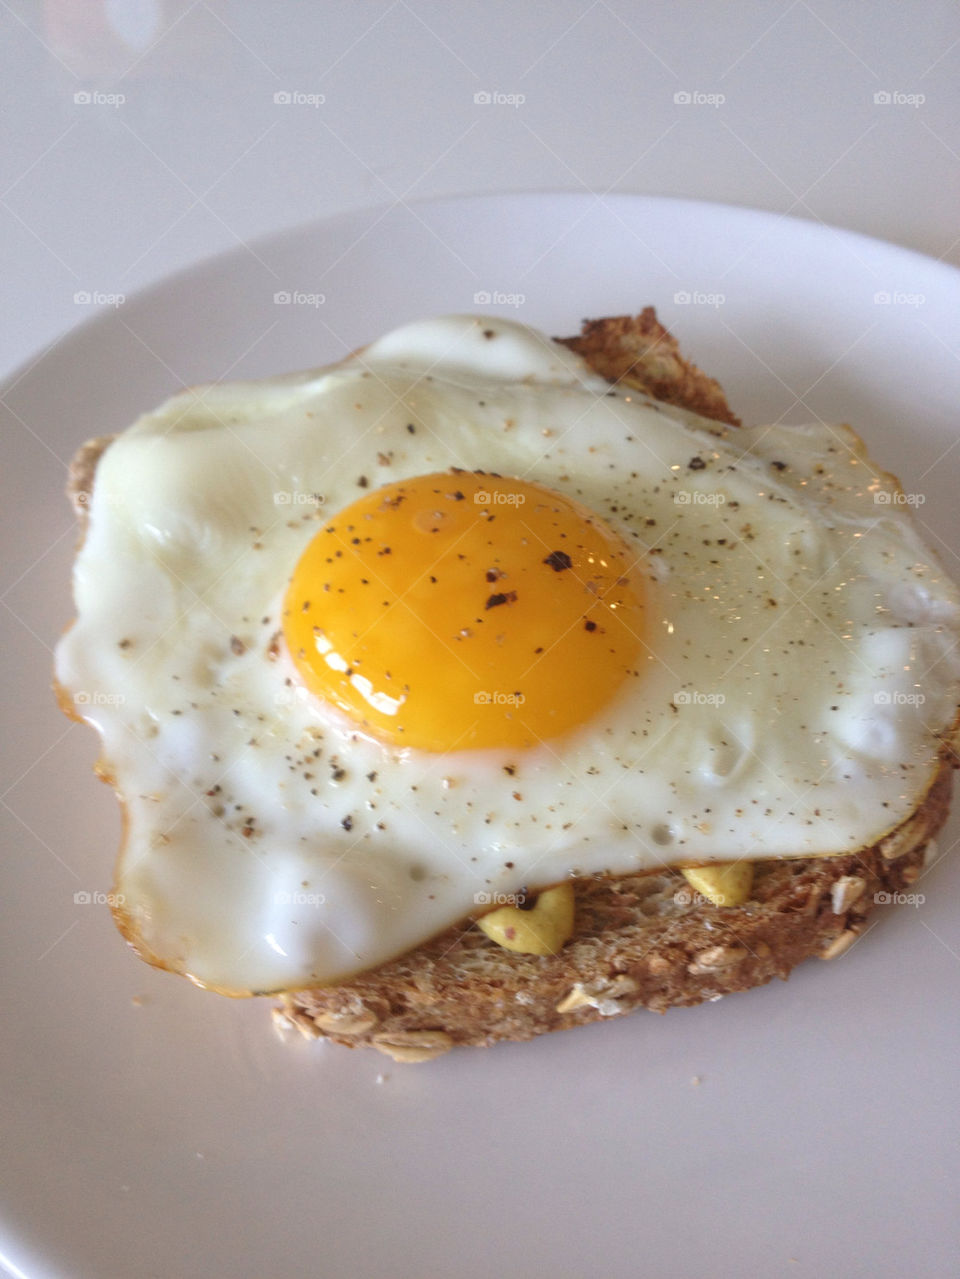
(171, 280)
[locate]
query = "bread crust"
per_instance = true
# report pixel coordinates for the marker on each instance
(636, 350)
(641, 941)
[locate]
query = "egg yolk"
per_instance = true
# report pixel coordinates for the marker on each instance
(466, 610)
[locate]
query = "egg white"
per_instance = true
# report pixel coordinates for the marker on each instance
(799, 669)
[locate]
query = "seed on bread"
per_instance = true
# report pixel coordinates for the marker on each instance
(288, 1018)
(602, 995)
(346, 1023)
(716, 957)
(413, 1045)
(846, 891)
(840, 944)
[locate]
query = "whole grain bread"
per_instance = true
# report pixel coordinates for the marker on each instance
(640, 941)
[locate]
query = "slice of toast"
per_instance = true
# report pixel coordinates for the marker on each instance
(641, 940)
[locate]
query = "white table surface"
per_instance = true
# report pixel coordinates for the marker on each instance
(143, 135)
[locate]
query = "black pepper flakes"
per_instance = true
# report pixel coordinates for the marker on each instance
(347, 823)
(504, 597)
(696, 464)
(558, 561)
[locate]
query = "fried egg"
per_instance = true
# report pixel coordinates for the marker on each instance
(371, 644)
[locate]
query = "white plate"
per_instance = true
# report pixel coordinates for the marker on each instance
(151, 1129)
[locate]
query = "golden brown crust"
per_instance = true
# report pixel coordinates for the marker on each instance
(638, 351)
(83, 467)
